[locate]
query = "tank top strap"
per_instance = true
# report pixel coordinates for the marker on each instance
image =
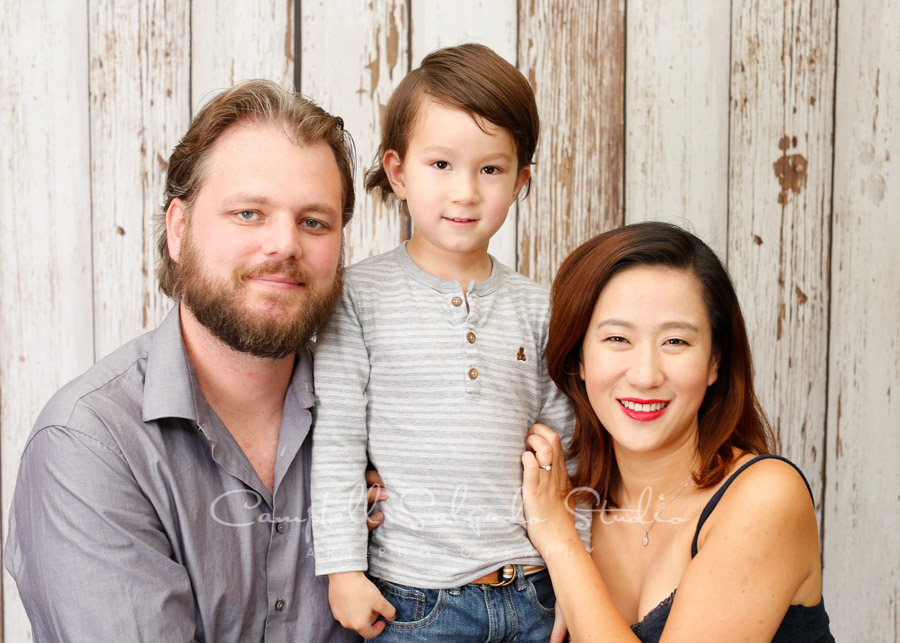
(708, 509)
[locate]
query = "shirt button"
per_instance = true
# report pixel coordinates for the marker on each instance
(279, 605)
(456, 301)
(473, 373)
(279, 527)
(471, 337)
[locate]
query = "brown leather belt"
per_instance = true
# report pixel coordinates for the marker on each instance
(506, 575)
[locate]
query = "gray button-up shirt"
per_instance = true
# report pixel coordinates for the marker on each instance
(136, 516)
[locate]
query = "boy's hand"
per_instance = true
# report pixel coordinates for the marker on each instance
(356, 603)
(376, 493)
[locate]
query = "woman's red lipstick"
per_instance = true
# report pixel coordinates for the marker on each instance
(643, 410)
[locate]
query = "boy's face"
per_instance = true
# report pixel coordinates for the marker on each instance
(458, 181)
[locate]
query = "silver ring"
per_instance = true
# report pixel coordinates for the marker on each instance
(545, 466)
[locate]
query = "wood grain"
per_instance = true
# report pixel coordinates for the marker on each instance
(352, 58)
(572, 52)
(676, 111)
(862, 497)
(140, 89)
(780, 183)
(489, 22)
(46, 319)
(233, 41)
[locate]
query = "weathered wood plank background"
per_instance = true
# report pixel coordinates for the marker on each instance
(768, 127)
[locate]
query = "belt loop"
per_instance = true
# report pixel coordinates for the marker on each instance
(521, 583)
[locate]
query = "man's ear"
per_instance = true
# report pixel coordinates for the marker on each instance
(175, 223)
(393, 168)
(521, 180)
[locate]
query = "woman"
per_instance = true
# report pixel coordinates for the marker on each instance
(694, 537)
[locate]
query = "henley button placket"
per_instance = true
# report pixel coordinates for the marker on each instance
(279, 605)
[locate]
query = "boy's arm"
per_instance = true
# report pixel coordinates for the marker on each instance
(340, 438)
(557, 413)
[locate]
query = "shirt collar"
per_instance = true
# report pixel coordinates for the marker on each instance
(436, 283)
(170, 385)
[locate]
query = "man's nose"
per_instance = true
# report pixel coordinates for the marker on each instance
(281, 238)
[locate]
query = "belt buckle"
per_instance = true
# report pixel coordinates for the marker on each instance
(509, 575)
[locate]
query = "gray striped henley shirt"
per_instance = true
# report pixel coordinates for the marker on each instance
(440, 399)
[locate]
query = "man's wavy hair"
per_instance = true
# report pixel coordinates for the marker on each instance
(730, 416)
(256, 101)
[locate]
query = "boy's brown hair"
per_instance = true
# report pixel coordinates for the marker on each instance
(469, 77)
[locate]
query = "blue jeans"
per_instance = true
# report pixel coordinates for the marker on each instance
(522, 611)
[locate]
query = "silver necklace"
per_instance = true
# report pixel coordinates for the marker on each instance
(646, 539)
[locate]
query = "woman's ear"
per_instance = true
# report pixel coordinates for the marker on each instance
(393, 169)
(713, 368)
(175, 223)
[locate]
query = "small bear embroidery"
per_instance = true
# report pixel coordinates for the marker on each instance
(521, 354)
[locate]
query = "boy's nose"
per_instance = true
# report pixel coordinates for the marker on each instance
(465, 189)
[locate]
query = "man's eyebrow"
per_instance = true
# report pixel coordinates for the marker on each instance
(233, 200)
(242, 199)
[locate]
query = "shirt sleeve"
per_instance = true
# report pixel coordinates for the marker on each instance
(87, 550)
(557, 413)
(340, 440)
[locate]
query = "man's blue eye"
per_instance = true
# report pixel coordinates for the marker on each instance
(247, 215)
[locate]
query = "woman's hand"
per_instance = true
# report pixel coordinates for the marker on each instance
(376, 493)
(549, 512)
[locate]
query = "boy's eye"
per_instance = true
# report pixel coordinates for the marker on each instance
(247, 215)
(441, 165)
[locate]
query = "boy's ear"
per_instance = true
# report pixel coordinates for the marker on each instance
(521, 180)
(175, 223)
(393, 169)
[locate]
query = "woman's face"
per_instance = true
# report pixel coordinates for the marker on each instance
(648, 358)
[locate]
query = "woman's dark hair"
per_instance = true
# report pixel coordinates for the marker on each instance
(730, 416)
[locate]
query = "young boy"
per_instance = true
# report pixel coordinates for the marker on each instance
(433, 368)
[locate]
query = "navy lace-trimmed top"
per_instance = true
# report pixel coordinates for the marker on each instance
(801, 624)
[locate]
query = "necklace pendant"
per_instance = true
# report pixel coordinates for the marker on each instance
(645, 540)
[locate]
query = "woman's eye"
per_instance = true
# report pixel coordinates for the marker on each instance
(675, 341)
(441, 165)
(490, 169)
(616, 339)
(247, 215)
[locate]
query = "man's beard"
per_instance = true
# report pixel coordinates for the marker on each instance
(221, 309)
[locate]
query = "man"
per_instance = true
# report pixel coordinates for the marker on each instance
(163, 495)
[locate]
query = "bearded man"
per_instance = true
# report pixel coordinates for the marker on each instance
(164, 494)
